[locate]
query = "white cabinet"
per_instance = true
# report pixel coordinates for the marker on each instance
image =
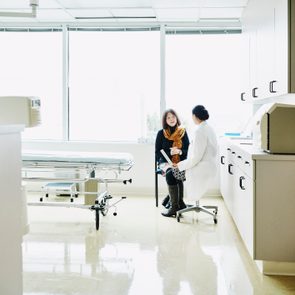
(283, 57)
(245, 67)
(274, 209)
(265, 26)
(10, 211)
(225, 180)
(259, 192)
(236, 186)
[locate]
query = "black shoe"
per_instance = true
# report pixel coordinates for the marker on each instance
(168, 205)
(166, 201)
(182, 205)
(169, 213)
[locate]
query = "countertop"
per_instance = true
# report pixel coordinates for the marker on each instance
(256, 153)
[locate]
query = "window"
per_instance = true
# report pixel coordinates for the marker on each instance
(205, 69)
(114, 84)
(31, 65)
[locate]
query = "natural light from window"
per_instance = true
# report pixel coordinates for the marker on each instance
(31, 65)
(114, 85)
(115, 82)
(206, 69)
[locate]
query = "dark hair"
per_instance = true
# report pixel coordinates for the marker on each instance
(200, 112)
(164, 123)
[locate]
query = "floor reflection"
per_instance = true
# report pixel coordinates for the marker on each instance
(76, 265)
(184, 266)
(140, 252)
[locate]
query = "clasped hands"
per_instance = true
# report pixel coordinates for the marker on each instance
(175, 151)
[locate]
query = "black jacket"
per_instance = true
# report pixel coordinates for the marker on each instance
(163, 143)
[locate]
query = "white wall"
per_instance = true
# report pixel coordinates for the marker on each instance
(142, 173)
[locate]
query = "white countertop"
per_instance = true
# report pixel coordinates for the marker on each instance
(6, 129)
(256, 153)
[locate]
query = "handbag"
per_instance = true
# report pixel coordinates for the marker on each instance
(179, 175)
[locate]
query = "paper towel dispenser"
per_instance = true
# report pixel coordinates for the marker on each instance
(20, 110)
(277, 125)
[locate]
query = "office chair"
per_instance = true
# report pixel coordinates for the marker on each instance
(198, 208)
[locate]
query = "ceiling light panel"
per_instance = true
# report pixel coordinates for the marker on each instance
(185, 14)
(19, 4)
(14, 4)
(133, 12)
(221, 12)
(89, 12)
(223, 3)
(49, 4)
(53, 15)
(104, 3)
(176, 3)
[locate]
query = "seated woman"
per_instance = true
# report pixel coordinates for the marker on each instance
(173, 139)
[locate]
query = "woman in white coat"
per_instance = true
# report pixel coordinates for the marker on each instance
(201, 163)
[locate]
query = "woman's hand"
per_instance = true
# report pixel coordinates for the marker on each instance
(175, 151)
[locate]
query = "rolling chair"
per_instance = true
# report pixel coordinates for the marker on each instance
(198, 208)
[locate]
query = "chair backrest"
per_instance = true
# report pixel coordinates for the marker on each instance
(157, 172)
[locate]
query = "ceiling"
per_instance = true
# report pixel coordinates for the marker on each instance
(195, 12)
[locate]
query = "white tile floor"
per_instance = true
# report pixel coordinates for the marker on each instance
(140, 252)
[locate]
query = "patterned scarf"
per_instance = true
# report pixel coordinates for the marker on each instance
(176, 136)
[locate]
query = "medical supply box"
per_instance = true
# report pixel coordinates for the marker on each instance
(20, 110)
(277, 127)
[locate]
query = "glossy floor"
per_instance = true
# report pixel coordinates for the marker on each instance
(140, 252)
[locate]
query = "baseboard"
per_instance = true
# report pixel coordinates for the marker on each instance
(276, 268)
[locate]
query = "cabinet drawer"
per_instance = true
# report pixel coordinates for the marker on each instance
(242, 210)
(243, 161)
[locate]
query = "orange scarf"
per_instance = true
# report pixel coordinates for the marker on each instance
(176, 136)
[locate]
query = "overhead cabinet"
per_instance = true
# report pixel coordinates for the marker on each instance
(266, 29)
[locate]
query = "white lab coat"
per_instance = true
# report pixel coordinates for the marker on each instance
(201, 163)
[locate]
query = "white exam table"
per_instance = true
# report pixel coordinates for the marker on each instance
(69, 168)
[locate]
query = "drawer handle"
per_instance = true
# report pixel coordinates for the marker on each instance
(254, 92)
(242, 178)
(271, 89)
(229, 169)
(222, 160)
(239, 157)
(233, 153)
(247, 163)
